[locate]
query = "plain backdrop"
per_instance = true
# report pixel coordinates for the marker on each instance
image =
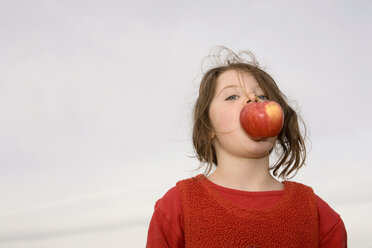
(96, 100)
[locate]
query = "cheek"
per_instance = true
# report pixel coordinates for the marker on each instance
(224, 120)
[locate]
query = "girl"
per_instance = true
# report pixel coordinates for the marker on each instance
(241, 204)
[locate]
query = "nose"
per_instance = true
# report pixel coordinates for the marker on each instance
(252, 98)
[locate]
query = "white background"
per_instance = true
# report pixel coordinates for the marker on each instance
(96, 100)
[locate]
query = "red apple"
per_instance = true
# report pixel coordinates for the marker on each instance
(262, 119)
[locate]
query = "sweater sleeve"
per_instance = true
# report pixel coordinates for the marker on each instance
(332, 231)
(165, 228)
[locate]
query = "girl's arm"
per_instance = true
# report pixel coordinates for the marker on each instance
(336, 237)
(165, 228)
(332, 231)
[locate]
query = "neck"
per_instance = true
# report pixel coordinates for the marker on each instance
(248, 174)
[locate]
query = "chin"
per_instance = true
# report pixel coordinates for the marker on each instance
(258, 154)
(261, 148)
(270, 139)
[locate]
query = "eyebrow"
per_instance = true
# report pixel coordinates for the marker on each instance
(235, 86)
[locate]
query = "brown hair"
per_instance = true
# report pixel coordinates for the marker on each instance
(291, 141)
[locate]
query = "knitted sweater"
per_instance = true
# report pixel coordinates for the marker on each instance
(167, 223)
(211, 221)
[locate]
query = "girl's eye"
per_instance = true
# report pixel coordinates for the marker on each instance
(230, 97)
(263, 97)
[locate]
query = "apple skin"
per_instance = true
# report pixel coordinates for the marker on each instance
(262, 119)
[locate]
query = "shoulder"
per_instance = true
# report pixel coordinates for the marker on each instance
(298, 185)
(170, 208)
(171, 199)
(190, 180)
(301, 192)
(328, 217)
(166, 225)
(323, 208)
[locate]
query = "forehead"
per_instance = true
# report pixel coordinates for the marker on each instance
(233, 77)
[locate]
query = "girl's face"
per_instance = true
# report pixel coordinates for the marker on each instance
(233, 90)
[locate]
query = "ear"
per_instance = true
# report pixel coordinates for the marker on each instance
(212, 135)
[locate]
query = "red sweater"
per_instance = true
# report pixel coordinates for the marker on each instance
(210, 220)
(167, 227)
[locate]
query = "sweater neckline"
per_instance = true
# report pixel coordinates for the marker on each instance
(235, 208)
(246, 193)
